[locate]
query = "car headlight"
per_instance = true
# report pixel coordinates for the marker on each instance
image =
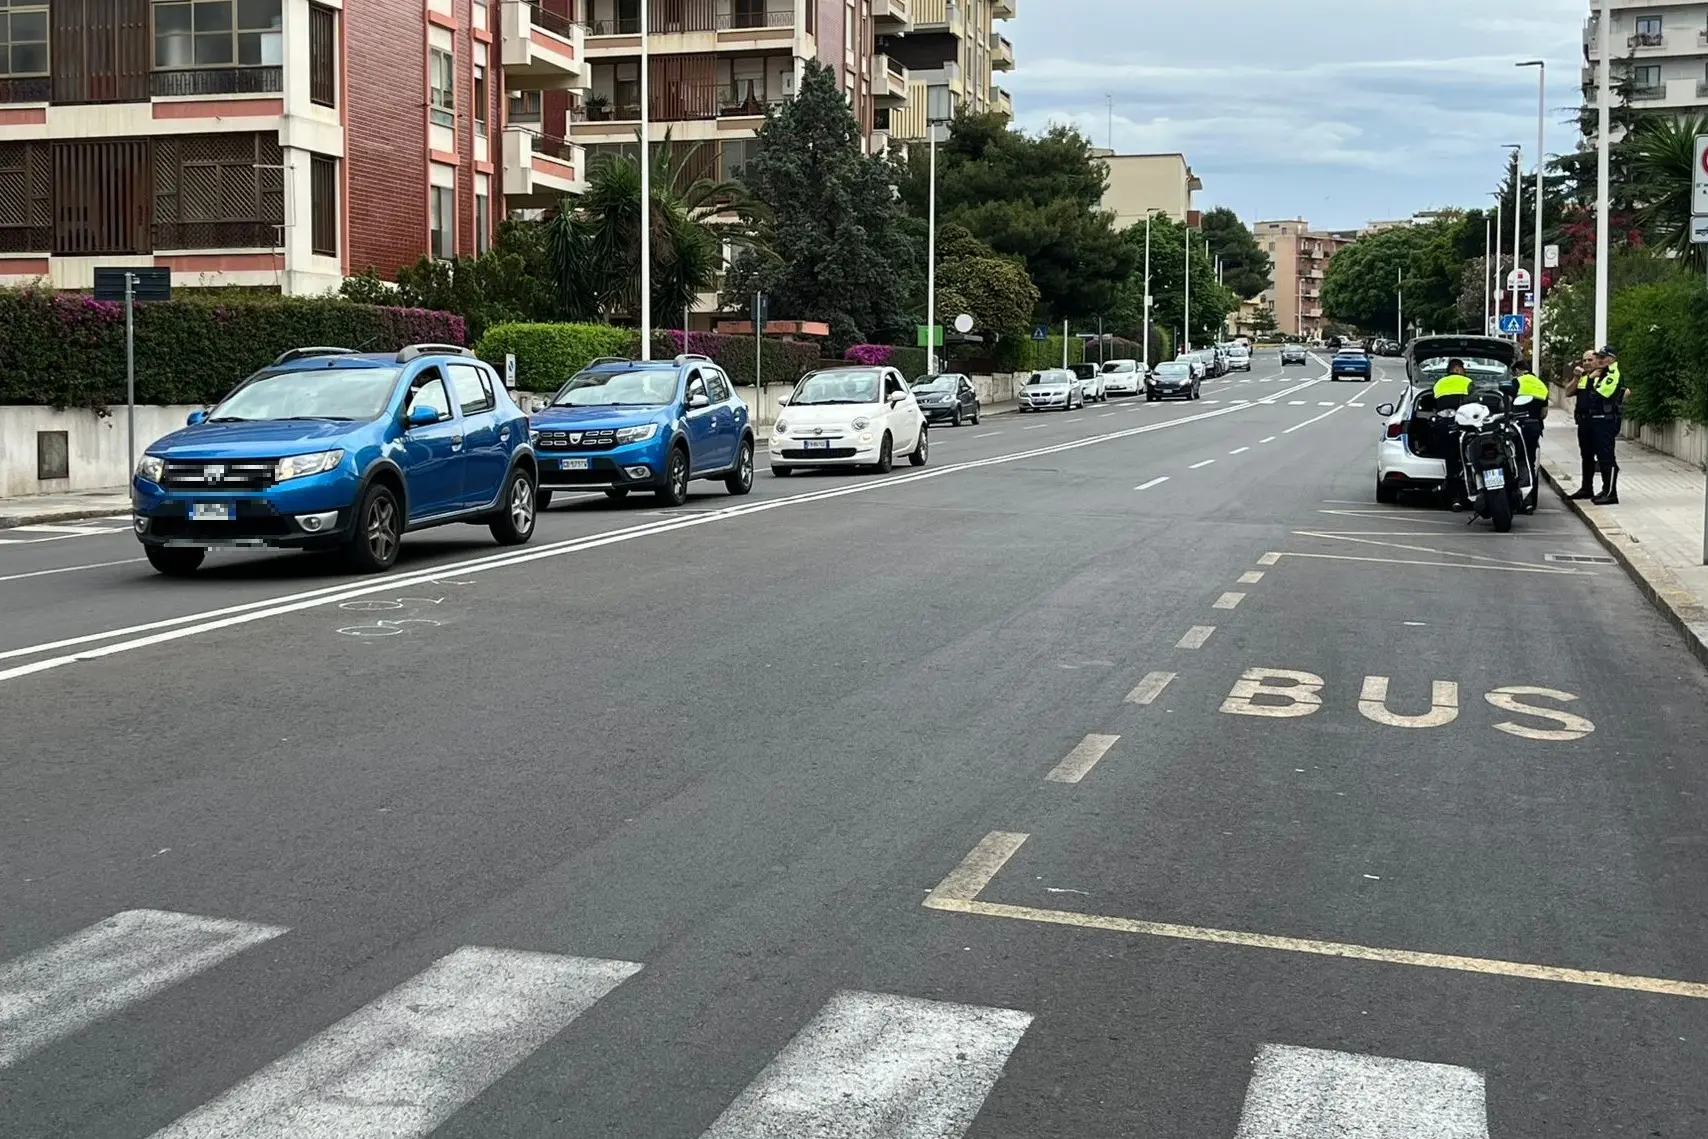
(782, 427)
(533, 434)
(150, 467)
(862, 423)
(637, 434)
(297, 466)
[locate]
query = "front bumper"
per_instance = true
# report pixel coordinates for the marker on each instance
(632, 465)
(1121, 387)
(838, 451)
(1169, 391)
(940, 413)
(277, 516)
(1045, 402)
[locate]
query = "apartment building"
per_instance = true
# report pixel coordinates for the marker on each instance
(1142, 183)
(951, 54)
(1659, 55)
(235, 142)
(1300, 256)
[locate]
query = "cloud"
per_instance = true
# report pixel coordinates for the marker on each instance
(1341, 111)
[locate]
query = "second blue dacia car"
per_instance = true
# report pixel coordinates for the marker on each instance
(332, 449)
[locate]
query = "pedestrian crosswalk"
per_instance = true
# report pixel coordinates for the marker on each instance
(866, 1065)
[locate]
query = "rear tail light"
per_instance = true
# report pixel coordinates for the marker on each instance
(1490, 451)
(1395, 430)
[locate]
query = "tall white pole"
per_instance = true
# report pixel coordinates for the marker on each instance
(1400, 304)
(1517, 220)
(1499, 278)
(1488, 229)
(1064, 345)
(1186, 309)
(930, 260)
(1603, 143)
(1147, 333)
(646, 186)
(1541, 66)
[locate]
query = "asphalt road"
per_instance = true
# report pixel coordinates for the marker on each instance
(1121, 773)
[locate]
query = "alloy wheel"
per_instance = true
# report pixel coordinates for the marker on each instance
(382, 528)
(522, 506)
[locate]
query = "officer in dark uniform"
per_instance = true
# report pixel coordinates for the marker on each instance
(1450, 393)
(1602, 402)
(1530, 417)
(1579, 383)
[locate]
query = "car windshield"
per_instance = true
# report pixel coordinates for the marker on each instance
(1083, 371)
(1350, 354)
(1042, 378)
(641, 388)
(935, 384)
(313, 393)
(1236, 350)
(1175, 368)
(853, 386)
(1120, 366)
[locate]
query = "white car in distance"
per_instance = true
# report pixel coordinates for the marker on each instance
(1090, 382)
(1123, 377)
(849, 417)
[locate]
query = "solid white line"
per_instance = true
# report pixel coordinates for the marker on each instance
(69, 531)
(1271, 439)
(873, 1066)
(1150, 688)
(1239, 450)
(1228, 601)
(1205, 463)
(1308, 1093)
(97, 972)
(1195, 637)
(1153, 482)
(1308, 422)
(1079, 762)
(1354, 405)
(1106, 415)
(402, 1065)
(1251, 577)
(68, 569)
(176, 628)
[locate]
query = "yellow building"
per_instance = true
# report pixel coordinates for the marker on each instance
(951, 53)
(1140, 183)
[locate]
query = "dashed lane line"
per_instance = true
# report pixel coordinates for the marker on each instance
(1205, 463)
(1228, 601)
(1158, 481)
(1251, 577)
(1239, 450)
(1078, 763)
(68, 569)
(1195, 637)
(1150, 688)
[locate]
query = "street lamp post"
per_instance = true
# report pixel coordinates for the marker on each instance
(1499, 281)
(935, 116)
(1150, 213)
(1400, 303)
(1604, 128)
(1541, 67)
(1517, 214)
(1186, 308)
(646, 192)
(1488, 228)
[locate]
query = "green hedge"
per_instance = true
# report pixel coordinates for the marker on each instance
(1661, 334)
(68, 350)
(548, 355)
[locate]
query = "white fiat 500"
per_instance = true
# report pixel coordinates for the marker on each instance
(849, 417)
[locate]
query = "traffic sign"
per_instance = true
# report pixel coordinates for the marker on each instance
(964, 323)
(1039, 332)
(1699, 230)
(1550, 257)
(1699, 177)
(1518, 280)
(1514, 323)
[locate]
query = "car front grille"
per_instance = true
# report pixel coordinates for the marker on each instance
(247, 474)
(821, 453)
(602, 440)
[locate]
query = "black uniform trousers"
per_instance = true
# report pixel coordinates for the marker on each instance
(1531, 430)
(1604, 432)
(1586, 452)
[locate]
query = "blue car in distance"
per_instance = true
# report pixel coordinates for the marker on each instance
(1350, 362)
(327, 448)
(655, 425)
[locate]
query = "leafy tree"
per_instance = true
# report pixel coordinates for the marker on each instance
(1362, 287)
(1664, 166)
(995, 292)
(1211, 303)
(1263, 320)
(1035, 198)
(837, 238)
(510, 281)
(1246, 268)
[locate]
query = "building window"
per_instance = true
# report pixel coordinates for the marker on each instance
(23, 38)
(322, 56)
(444, 220)
(218, 33)
(482, 223)
(1649, 31)
(1646, 78)
(323, 197)
(442, 76)
(525, 107)
(480, 100)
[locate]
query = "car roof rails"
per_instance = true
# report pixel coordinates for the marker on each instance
(314, 350)
(597, 360)
(684, 357)
(416, 351)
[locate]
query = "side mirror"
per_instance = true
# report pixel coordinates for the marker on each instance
(195, 417)
(421, 416)
(1384, 409)
(897, 397)
(698, 400)
(783, 401)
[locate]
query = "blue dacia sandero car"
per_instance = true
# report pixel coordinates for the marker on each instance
(326, 448)
(656, 425)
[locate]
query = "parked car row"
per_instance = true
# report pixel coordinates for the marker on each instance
(1063, 389)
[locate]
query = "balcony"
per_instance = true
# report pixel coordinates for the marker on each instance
(889, 82)
(938, 16)
(1001, 102)
(541, 50)
(1648, 93)
(1001, 53)
(217, 81)
(696, 26)
(892, 17)
(1003, 10)
(539, 169)
(1646, 41)
(722, 104)
(30, 89)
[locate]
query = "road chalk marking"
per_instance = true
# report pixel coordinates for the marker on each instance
(1228, 601)
(1150, 688)
(400, 1066)
(1251, 577)
(1443, 705)
(1079, 762)
(1308, 1093)
(1196, 466)
(874, 1066)
(1302, 692)
(1154, 482)
(1195, 637)
(102, 970)
(959, 893)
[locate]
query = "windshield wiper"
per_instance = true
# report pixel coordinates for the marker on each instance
(228, 419)
(317, 418)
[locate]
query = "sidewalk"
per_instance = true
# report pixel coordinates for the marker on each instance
(1655, 531)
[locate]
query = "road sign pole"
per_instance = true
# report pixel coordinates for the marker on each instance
(130, 372)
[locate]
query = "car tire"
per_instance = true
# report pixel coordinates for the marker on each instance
(175, 561)
(1386, 493)
(514, 522)
(922, 452)
(616, 493)
(376, 533)
(740, 478)
(781, 472)
(542, 500)
(955, 418)
(975, 415)
(674, 492)
(886, 456)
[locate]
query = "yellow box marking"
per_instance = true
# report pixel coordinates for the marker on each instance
(959, 893)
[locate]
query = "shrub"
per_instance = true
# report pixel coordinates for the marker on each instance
(871, 355)
(68, 350)
(1661, 333)
(784, 361)
(548, 355)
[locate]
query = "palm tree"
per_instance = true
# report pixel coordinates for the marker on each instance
(593, 242)
(1663, 168)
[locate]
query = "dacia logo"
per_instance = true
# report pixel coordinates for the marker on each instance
(213, 472)
(575, 436)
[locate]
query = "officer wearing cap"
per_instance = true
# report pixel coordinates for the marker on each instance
(1578, 381)
(1529, 416)
(1601, 405)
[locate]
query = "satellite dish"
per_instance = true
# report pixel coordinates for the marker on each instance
(963, 324)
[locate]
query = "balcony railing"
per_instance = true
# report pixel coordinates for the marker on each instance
(1648, 92)
(1646, 39)
(741, 99)
(699, 17)
(687, 102)
(756, 18)
(552, 147)
(1702, 88)
(557, 25)
(31, 89)
(896, 66)
(218, 81)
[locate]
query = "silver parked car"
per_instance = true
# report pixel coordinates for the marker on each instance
(1050, 388)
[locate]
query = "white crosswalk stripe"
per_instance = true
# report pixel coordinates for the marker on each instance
(402, 1065)
(1308, 1093)
(102, 970)
(871, 1066)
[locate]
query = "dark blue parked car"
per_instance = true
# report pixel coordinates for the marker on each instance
(332, 449)
(622, 425)
(1350, 362)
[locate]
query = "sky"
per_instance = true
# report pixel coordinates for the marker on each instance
(1338, 111)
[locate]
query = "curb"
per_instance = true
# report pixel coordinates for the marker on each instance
(47, 517)
(1677, 604)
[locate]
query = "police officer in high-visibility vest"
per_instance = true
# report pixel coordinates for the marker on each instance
(1579, 384)
(1602, 403)
(1450, 393)
(1530, 416)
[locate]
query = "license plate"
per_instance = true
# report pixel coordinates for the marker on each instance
(572, 464)
(1494, 480)
(818, 444)
(210, 512)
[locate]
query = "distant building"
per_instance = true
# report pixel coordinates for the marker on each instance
(1140, 183)
(1658, 60)
(946, 53)
(1300, 257)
